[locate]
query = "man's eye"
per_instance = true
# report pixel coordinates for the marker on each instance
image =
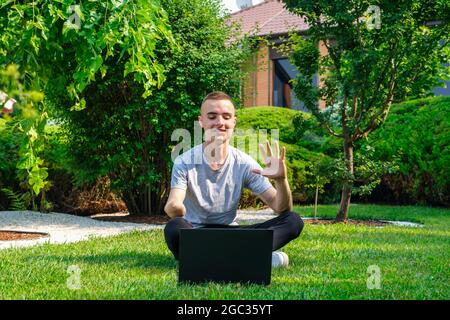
(211, 117)
(227, 117)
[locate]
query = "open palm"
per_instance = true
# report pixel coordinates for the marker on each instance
(275, 166)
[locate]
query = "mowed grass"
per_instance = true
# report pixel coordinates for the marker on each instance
(326, 262)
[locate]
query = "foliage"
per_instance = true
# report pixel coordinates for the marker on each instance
(68, 44)
(127, 137)
(24, 135)
(416, 137)
(63, 47)
(367, 65)
(405, 161)
(368, 170)
(9, 142)
(305, 166)
(295, 127)
(17, 201)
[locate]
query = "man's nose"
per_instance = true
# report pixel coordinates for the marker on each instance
(220, 121)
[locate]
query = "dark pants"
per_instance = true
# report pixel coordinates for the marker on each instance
(286, 227)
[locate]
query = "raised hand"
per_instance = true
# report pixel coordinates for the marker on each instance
(275, 164)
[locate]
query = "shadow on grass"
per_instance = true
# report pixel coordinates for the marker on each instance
(127, 260)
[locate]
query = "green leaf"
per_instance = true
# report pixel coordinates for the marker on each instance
(80, 105)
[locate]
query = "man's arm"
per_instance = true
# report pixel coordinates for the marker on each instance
(279, 199)
(174, 206)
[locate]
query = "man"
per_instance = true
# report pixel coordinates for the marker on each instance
(207, 182)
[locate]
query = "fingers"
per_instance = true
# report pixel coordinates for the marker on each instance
(269, 149)
(263, 152)
(276, 149)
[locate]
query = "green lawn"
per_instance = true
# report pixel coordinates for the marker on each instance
(326, 262)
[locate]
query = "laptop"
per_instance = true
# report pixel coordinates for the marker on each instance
(225, 255)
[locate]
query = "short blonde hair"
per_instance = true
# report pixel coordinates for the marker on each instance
(217, 95)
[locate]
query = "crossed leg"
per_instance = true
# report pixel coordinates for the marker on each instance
(286, 227)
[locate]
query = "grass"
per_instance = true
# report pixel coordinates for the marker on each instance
(326, 262)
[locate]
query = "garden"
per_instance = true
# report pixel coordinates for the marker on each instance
(92, 91)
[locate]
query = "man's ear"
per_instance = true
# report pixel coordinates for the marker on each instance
(200, 121)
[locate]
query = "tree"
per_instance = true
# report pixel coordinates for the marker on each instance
(128, 137)
(23, 136)
(96, 62)
(375, 54)
(68, 44)
(120, 82)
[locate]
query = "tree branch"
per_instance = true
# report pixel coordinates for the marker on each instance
(383, 73)
(332, 132)
(375, 120)
(354, 104)
(335, 59)
(344, 117)
(362, 104)
(327, 125)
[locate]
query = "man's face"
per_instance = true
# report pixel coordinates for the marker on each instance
(218, 119)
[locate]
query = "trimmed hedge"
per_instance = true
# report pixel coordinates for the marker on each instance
(417, 135)
(293, 128)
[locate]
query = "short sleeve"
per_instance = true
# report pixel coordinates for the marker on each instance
(179, 175)
(257, 183)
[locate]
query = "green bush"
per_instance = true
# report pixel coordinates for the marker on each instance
(299, 134)
(122, 132)
(8, 162)
(55, 156)
(416, 136)
(415, 140)
(23, 141)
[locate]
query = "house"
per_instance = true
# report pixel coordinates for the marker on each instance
(269, 83)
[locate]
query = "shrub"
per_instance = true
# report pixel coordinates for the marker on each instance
(23, 144)
(417, 137)
(124, 80)
(301, 162)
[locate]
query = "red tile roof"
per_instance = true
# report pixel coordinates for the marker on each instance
(270, 17)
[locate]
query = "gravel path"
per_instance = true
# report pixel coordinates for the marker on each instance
(67, 228)
(63, 228)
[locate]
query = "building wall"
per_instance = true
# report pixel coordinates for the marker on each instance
(258, 88)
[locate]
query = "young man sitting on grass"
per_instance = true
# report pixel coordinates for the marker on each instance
(207, 183)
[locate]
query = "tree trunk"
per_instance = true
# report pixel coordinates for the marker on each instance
(144, 202)
(342, 215)
(151, 199)
(315, 202)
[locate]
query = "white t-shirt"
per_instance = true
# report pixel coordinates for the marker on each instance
(212, 196)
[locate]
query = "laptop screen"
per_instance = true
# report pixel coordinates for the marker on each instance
(225, 255)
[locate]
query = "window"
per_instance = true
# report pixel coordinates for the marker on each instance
(283, 95)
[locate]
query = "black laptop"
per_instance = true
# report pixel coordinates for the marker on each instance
(225, 255)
